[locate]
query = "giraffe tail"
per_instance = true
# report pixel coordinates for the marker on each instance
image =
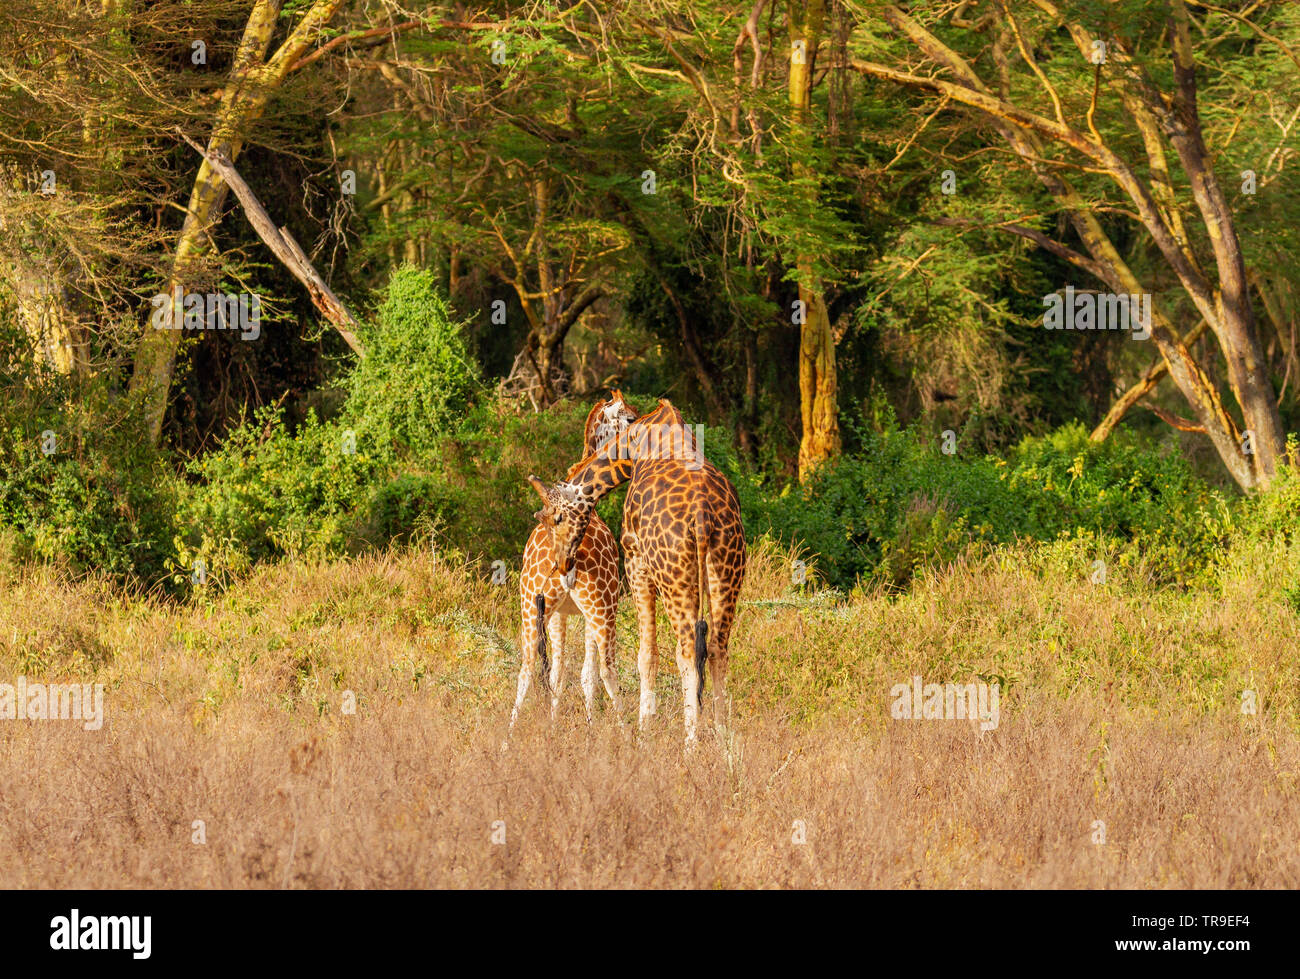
(541, 642)
(702, 607)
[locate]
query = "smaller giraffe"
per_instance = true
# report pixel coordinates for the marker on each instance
(547, 599)
(606, 421)
(589, 588)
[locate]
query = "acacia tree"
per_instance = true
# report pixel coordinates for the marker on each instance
(820, 438)
(1082, 91)
(510, 150)
(752, 92)
(553, 276)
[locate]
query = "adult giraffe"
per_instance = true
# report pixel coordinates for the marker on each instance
(681, 529)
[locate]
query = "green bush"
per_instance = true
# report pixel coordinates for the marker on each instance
(268, 492)
(1274, 515)
(101, 501)
(900, 503)
(331, 488)
(485, 502)
(417, 378)
(1268, 535)
(405, 508)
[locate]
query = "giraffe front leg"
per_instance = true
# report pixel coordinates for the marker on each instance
(555, 631)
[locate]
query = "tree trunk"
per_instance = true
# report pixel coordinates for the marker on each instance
(820, 439)
(31, 263)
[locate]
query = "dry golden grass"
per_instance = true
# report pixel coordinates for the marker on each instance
(1123, 707)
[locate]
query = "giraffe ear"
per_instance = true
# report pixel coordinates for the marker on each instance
(541, 489)
(539, 514)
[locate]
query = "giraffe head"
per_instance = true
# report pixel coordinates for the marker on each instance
(565, 514)
(607, 420)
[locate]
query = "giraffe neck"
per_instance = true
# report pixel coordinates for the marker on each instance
(611, 465)
(602, 471)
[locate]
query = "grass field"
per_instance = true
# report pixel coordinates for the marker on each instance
(1122, 756)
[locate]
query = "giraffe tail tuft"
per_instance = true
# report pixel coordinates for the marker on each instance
(702, 598)
(541, 642)
(701, 655)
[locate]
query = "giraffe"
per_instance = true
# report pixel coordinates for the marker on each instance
(681, 529)
(588, 588)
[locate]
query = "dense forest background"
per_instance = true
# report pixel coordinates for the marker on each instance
(828, 231)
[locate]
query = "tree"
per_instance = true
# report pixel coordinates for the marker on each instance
(820, 439)
(80, 112)
(1132, 90)
(506, 168)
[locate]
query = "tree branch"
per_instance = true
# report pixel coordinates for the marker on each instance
(286, 249)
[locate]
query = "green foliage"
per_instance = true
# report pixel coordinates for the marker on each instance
(1066, 483)
(417, 378)
(1274, 515)
(406, 508)
(484, 501)
(900, 504)
(269, 491)
(101, 501)
(1268, 536)
(331, 488)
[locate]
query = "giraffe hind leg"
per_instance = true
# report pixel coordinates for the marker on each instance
(532, 644)
(589, 671)
(723, 596)
(555, 630)
(686, 632)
